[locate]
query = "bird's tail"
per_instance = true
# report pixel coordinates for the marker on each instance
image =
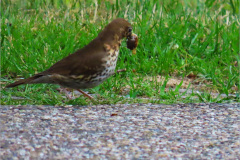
(17, 83)
(23, 81)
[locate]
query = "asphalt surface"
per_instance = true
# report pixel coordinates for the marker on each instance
(124, 131)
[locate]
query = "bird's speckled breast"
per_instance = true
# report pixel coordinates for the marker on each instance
(109, 63)
(110, 60)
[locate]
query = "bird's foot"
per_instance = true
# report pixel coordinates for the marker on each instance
(66, 92)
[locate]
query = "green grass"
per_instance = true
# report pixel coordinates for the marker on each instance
(176, 38)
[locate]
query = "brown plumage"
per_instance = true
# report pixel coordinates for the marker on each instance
(89, 66)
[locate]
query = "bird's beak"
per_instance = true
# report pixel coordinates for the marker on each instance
(132, 42)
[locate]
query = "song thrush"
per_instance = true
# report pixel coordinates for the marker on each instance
(91, 65)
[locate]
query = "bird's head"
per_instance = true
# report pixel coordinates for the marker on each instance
(119, 29)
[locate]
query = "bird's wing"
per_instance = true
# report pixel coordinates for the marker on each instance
(82, 62)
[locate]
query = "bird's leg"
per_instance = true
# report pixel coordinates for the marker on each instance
(69, 96)
(85, 94)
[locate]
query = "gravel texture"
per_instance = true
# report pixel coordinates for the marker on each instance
(124, 131)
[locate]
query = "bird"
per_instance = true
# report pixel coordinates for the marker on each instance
(91, 65)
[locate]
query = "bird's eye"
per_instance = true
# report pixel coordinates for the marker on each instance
(129, 29)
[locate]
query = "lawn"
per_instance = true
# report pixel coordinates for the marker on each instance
(188, 49)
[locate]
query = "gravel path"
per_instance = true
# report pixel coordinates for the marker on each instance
(126, 131)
